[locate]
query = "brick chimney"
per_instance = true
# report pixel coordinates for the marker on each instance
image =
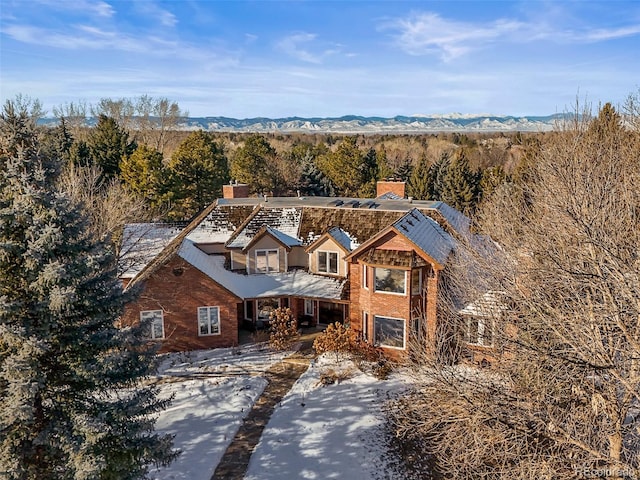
(390, 185)
(235, 190)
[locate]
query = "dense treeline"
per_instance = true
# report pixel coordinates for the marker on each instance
(135, 152)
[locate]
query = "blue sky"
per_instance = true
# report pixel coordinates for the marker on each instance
(323, 58)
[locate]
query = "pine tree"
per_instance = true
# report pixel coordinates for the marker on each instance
(144, 173)
(461, 185)
(198, 168)
(344, 167)
(369, 174)
(312, 181)
(253, 163)
(418, 185)
(71, 402)
(109, 144)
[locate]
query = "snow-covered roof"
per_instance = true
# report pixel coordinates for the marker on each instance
(426, 234)
(285, 239)
(489, 305)
(297, 282)
(142, 242)
(221, 222)
(285, 220)
(343, 238)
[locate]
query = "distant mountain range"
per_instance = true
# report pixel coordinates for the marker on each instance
(454, 122)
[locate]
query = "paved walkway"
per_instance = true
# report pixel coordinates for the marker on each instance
(281, 378)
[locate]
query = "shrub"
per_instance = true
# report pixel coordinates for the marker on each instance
(336, 338)
(283, 330)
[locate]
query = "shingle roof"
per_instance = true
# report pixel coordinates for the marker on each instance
(491, 304)
(283, 219)
(142, 242)
(426, 234)
(220, 223)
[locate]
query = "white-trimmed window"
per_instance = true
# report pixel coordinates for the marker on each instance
(416, 282)
(208, 321)
(266, 306)
(328, 262)
(389, 332)
(365, 277)
(365, 325)
(154, 319)
(248, 309)
(308, 307)
(267, 261)
(479, 331)
(391, 280)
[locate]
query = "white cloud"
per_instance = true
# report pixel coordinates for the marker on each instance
(429, 33)
(98, 8)
(296, 46)
(156, 13)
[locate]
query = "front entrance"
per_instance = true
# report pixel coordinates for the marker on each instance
(329, 312)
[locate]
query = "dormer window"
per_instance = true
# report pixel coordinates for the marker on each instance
(267, 261)
(328, 262)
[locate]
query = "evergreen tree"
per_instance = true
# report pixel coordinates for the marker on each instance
(144, 173)
(198, 168)
(71, 402)
(253, 163)
(437, 179)
(312, 181)
(369, 174)
(491, 179)
(108, 144)
(418, 185)
(404, 170)
(57, 142)
(344, 167)
(461, 185)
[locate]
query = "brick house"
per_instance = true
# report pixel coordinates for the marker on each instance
(374, 263)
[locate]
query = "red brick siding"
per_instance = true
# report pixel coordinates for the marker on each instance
(240, 190)
(179, 297)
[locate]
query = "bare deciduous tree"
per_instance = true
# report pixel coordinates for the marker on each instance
(562, 399)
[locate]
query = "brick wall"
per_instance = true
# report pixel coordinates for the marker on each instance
(390, 186)
(178, 289)
(239, 190)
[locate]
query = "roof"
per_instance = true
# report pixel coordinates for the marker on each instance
(393, 258)
(142, 242)
(297, 282)
(389, 196)
(220, 223)
(344, 239)
(426, 234)
(490, 304)
(285, 240)
(284, 219)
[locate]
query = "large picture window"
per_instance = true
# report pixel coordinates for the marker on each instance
(267, 261)
(389, 332)
(479, 331)
(391, 280)
(208, 321)
(328, 262)
(154, 319)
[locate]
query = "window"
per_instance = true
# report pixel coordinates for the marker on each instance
(365, 277)
(328, 262)
(416, 282)
(479, 331)
(390, 280)
(154, 323)
(308, 307)
(266, 306)
(267, 261)
(248, 309)
(208, 321)
(365, 325)
(389, 332)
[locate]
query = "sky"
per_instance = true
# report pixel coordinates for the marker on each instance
(275, 59)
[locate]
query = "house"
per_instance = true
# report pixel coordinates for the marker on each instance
(374, 263)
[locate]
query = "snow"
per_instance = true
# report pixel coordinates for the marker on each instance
(206, 413)
(296, 282)
(344, 238)
(285, 239)
(323, 432)
(315, 432)
(142, 242)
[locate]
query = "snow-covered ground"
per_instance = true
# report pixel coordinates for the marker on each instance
(323, 432)
(316, 432)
